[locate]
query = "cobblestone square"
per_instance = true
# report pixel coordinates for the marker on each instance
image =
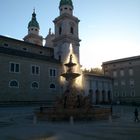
(18, 123)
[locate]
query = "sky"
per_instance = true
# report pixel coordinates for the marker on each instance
(109, 29)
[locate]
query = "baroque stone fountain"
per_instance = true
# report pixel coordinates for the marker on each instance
(72, 103)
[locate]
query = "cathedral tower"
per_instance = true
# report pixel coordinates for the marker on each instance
(66, 31)
(33, 31)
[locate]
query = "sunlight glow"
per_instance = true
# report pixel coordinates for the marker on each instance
(76, 69)
(62, 80)
(44, 41)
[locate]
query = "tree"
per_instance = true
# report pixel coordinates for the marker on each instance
(97, 71)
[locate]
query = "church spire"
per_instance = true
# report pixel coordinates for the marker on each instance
(33, 22)
(33, 31)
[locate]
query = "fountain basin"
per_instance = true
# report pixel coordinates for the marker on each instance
(70, 75)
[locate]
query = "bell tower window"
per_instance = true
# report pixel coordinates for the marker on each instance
(60, 30)
(71, 30)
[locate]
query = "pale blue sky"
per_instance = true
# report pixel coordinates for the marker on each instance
(109, 29)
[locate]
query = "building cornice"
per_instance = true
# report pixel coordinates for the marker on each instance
(122, 60)
(97, 75)
(23, 43)
(65, 16)
(14, 52)
(66, 38)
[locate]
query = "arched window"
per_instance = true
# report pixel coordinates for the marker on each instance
(35, 85)
(13, 84)
(52, 86)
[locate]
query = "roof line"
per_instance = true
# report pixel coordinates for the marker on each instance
(122, 59)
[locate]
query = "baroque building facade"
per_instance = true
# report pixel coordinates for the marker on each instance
(126, 79)
(30, 72)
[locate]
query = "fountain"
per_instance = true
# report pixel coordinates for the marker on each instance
(70, 75)
(71, 95)
(72, 104)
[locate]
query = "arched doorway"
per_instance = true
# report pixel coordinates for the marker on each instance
(91, 95)
(109, 97)
(97, 96)
(103, 96)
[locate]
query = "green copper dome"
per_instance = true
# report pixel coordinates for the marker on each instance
(33, 22)
(66, 2)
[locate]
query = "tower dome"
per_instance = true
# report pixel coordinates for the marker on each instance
(33, 22)
(33, 31)
(66, 7)
(66, 2)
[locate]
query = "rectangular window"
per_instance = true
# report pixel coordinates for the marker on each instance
(106, 72)
(131, 72)
(114, 73)
(52, 72)
(131, 83)
(35, 70)
(122, 72)
(115, 83)
(123, 94)
(123, 83)
(17, 68)
(132, 93)
(14, 67)
(116, 93)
